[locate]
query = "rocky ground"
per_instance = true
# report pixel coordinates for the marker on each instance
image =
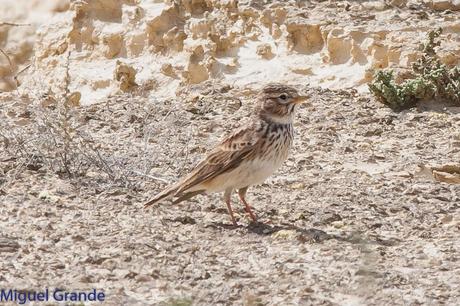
(346, 221)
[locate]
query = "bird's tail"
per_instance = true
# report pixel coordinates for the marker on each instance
(173, 191)
(165, 194)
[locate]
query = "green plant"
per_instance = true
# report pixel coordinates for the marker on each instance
(177, 302)
(432, 79)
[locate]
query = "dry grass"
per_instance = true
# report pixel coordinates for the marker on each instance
(55, 137)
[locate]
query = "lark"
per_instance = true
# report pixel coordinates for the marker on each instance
(247, 156)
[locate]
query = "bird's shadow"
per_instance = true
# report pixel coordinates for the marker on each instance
(310, 235)
(264, 229)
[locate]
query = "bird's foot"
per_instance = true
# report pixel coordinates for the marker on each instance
(251, 214)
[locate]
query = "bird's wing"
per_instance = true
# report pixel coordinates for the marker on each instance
(228, 155)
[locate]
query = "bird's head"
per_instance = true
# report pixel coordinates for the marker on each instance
(279, 102)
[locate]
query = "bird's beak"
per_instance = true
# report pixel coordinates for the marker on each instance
(300, 99)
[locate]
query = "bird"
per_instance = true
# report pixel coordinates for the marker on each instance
(247, 156)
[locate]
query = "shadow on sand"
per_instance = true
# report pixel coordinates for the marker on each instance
(309, 235)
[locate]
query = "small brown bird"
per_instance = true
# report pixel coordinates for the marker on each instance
(246, 157)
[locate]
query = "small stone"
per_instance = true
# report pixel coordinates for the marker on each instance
(168, 70)
(302, 70)
(125, 75)
(337, 224)
(442, 5)
(285, 235)
(48, 196)
(447, 219)
(298, 185)
(265, 51)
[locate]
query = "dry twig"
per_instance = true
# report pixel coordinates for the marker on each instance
(13, 24)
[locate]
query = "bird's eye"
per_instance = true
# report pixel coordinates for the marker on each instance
(283, 97)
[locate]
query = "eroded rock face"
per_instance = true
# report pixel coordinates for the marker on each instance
(18, 23)
(442, 5)
(178, 43)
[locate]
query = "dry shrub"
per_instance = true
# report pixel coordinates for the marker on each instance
(433, 80)
(56, 140)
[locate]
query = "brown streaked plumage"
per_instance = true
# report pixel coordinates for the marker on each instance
(247, 156)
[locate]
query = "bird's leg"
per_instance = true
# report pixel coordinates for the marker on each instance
(227, 197)
(242, 194)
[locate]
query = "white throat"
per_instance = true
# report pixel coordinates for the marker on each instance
(281, 119)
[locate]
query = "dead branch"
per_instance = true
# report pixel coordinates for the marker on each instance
(67, 77)
(19, 72)
(13, 24)
(8, 58)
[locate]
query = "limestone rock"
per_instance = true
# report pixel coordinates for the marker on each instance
(442, 5)
(265, 51)
(125, 75)
(179, 44)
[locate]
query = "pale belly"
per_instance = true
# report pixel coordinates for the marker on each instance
(250, 173)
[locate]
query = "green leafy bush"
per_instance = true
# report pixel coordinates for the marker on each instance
(432, 79)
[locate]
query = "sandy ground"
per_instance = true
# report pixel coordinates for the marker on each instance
(346, 221)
